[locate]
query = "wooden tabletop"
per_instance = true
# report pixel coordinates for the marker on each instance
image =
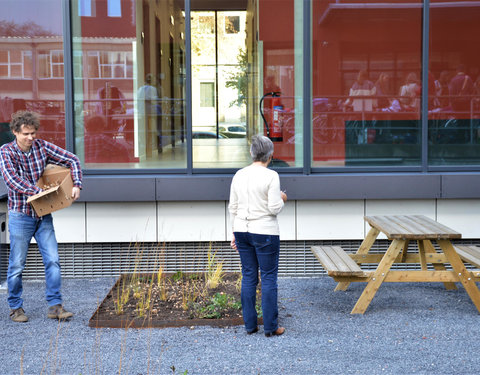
(413, 227)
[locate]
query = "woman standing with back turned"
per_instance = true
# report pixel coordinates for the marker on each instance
(255, 201)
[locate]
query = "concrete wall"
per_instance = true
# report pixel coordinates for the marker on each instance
(209, 220)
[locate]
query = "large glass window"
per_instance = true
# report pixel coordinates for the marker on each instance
(454, 104)
(245, 65)
(247, 78)
(129, 83)
(366, 83)
(31, 66)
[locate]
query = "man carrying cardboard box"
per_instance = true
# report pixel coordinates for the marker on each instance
(22, 163)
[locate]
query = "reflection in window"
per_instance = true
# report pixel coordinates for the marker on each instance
(130, 92)
(206, 24)
(15, 64)
(31, 68)
(50, 64)
(232, 24)
(367, 113)
(454, 84)
(246, 67)
(86, 8)
(77, 64)
(44, 64)
(57, 64)
(114, 8)
(207, 94)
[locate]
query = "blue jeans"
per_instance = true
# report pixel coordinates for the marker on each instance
(259, 251)
(22, 228)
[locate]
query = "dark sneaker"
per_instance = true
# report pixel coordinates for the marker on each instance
(58, 312)
(18, 315)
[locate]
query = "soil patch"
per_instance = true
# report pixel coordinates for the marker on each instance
(171, 300)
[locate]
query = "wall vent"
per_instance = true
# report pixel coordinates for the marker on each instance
(89, 260)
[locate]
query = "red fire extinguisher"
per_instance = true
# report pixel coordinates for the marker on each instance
(275, 131)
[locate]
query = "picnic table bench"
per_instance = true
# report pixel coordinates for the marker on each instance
(401, 230)
(469, 254)
(337, 262)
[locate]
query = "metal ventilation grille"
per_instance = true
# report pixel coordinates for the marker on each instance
(112, 259)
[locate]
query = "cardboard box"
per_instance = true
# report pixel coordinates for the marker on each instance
(58, 196)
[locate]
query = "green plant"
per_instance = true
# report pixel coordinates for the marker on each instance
(174, 369)
(177, 276)
(190, 293)
(217, 306)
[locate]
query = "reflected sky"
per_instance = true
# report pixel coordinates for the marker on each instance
(46, 13)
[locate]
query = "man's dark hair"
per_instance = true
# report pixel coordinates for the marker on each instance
(26, 118)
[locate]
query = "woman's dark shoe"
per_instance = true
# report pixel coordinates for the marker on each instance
(278, 332)
(252, 331)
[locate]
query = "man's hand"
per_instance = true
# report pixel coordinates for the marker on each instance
(284, 196)
(75, 193)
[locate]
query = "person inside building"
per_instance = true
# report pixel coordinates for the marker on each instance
(22, 163)
(382, 92)
(150, 110)
(410, 93)
(362, 87)
(255, 201)
(442, 91)
(461, 88)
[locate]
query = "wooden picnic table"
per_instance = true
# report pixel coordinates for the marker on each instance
(401, 230)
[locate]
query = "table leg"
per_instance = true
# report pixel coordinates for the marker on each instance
(378, 276)
(437, 266)
(421, 253)
(405, 250)
(364, 248)
(464, 276)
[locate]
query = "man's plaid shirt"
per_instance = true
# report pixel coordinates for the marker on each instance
(21, 170)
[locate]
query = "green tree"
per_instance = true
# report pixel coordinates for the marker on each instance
(239, 78)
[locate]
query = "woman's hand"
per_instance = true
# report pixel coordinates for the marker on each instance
(233, 245)
(284, 196)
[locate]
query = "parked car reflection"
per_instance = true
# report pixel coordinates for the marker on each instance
(206, 135)
(233, 131)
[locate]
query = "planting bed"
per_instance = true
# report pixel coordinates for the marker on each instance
(171, 300)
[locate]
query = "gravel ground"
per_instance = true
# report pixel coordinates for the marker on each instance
(408, 328)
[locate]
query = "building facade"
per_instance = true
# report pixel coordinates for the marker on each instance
(373, 107)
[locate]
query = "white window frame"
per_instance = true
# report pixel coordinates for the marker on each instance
(9, 64)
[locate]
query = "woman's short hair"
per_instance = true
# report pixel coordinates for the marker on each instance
(26, 118)
(261, 148)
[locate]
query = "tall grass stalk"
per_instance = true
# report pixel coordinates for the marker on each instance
(123, 295)
(159, 266)
(22, 356)
(190, 293)
(123, 347)
(215, 272)
(238, 283)
(144, 301)
(52, 353)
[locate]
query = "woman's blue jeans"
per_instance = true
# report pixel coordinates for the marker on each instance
(259, 251)
(22, 228)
